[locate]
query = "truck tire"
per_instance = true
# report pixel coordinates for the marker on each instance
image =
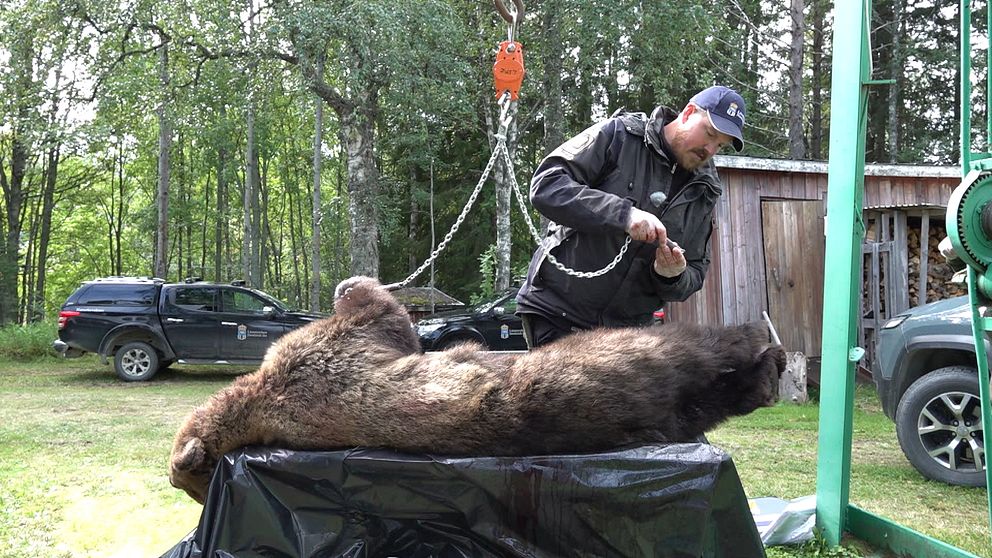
(938, 422)
(136, 362)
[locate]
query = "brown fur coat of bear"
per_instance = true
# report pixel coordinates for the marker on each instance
(358, 379)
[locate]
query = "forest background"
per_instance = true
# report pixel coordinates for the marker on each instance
(295, 143)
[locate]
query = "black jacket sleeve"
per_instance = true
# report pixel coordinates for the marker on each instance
(566, 187)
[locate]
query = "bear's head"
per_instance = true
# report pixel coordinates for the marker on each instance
(191, 467)
(355, 293)
(754, 382)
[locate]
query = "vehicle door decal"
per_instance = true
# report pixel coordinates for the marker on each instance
(242, 332)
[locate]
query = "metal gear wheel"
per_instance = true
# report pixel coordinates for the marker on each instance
(969, 221)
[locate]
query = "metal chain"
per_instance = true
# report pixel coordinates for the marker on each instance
(537, 236)
(458, 222)
(515, 186)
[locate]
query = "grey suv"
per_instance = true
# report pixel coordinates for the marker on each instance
(927, 380)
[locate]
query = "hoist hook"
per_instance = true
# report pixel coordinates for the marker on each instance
(505, 14)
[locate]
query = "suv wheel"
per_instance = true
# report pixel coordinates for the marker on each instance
(939, 425)
(136, 362)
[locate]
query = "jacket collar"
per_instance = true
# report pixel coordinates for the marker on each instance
(655, 137)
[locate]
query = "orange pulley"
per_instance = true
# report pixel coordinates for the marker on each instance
(508, 71)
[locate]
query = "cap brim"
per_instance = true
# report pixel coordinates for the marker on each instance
(729, 127)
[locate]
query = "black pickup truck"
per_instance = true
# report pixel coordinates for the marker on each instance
(146, 324)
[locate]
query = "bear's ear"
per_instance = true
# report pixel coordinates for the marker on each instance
(776, 355)
(192, 456)
(351, 282)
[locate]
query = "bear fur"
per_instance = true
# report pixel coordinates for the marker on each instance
(358, 378)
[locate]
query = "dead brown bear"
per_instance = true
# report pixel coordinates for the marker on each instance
(358, 379)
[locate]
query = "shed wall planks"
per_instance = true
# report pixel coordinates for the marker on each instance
(736, 289)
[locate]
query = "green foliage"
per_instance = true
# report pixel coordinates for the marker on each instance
(816, 548)
(30, 341)
(419, 71)
(487, 267)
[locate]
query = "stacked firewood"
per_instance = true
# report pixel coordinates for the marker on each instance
(939, 285)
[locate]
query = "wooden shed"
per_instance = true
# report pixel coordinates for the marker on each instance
(768, 240)
(424, 301)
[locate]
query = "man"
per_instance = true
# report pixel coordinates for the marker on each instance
(651, 178)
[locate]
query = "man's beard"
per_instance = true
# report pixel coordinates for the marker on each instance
(688, 159)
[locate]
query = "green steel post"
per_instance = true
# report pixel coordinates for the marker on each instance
(979, 329)
(965, 54)
(979, 326)
(845, 231)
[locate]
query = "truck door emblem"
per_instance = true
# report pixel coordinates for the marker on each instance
(242, 332)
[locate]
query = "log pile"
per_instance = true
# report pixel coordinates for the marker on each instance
(939, 285)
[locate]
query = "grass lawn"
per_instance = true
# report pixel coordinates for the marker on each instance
(83, 464)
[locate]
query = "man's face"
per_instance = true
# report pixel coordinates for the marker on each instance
(693, 139)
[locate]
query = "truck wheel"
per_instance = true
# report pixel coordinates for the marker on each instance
(939, 425)
(136, 362)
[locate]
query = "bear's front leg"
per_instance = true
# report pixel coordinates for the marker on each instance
(224, 423)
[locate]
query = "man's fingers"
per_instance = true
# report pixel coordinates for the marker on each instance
(662, 237)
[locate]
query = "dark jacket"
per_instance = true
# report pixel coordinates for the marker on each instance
(587, 187)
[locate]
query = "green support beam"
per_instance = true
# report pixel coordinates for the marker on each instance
(845, 231)
(845, 234)
(972, 161)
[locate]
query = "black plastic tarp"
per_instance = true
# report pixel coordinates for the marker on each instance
(676, 500)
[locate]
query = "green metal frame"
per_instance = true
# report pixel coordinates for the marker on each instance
(977, 162)
(845, 233)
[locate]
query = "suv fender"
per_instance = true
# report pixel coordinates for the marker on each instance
(124, 334)
(461, 333)
(923, 344)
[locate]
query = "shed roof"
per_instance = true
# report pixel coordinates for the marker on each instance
(421, 296)
(821, 167)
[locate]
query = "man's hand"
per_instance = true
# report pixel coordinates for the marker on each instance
(645, 227)
(669, 261)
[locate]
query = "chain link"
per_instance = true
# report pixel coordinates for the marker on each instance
(537, 235)
(515, 186)
(457, 223)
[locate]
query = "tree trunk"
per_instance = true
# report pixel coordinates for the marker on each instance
(316, 216)
(357, 136)
(48, 203)
(261, 218)
(27, 275)
(294, 245)
(554, 133)
(816, 108)
(504, 183)
(220, 224)
(118, 217)
(164, 146)
(796, 148)
(21, 60)
(249, 248)
(896, 72)
(413, 229)
(876, 145)
(204, 227)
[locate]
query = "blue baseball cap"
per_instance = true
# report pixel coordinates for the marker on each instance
(725, 108)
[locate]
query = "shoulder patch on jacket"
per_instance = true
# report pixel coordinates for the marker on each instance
(576, 144)
(634, 122)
